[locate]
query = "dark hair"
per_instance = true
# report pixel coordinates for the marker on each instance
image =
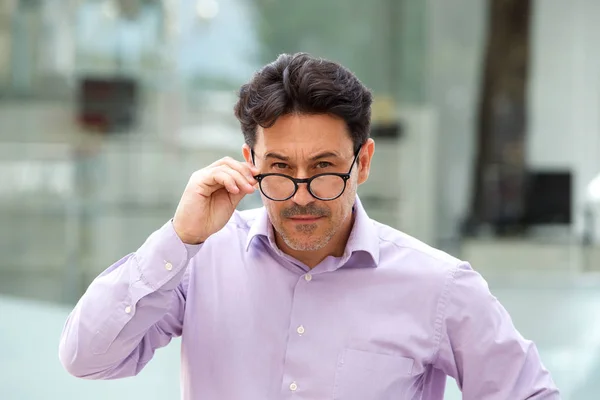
(303, 84)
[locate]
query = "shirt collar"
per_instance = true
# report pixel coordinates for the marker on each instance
(363, 237)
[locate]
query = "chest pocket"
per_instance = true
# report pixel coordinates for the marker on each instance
(362, 375)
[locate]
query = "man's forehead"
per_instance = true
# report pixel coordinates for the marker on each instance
(304, 146)
(304, 150)
(305, 129)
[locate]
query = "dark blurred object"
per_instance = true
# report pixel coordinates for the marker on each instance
(108, 104)
(547, 201)
(388, 130)
(549, 197)
(129, 9)
(500, 174)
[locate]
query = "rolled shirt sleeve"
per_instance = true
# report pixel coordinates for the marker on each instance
(481, 348)
(128, 311)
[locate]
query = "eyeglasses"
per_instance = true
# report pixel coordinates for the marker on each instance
(326, 187)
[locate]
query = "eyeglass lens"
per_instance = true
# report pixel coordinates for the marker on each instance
(323, 187)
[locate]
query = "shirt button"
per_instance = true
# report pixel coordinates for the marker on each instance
(307, 277)
(293, 386)
(168, 266)
(128, 309)
(300, 330)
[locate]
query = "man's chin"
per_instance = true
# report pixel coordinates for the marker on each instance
(303, 242)
(305, 246)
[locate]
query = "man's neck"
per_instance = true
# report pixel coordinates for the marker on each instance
(335, 247)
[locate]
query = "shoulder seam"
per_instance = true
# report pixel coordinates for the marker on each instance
(419, 251)
(441, 311)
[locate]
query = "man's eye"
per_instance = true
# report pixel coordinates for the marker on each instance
(324, 164)
(280, 165)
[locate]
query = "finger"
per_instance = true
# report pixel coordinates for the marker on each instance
(253, 168)
(243, 182)
(246, 169)
(221, 177)
(217, 179)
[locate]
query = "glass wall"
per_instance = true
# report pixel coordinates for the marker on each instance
(76, 200)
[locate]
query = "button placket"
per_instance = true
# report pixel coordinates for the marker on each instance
(300, 329)
(296, 341)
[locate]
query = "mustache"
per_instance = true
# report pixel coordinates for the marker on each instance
(310, 209)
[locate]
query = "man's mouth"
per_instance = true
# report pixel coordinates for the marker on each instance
(305, 218)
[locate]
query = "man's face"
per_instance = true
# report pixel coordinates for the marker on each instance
(302, 146)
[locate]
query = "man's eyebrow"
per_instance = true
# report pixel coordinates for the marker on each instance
(276, 156)
(325, 154)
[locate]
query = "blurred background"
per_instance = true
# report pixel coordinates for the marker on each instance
(487, 130)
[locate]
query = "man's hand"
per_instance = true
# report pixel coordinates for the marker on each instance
(210, 198)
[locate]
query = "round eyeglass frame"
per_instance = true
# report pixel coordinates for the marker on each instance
(308, 181)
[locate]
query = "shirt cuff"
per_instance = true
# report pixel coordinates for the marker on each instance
(163, 258)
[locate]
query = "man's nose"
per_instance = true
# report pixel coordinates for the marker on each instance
(302, 196)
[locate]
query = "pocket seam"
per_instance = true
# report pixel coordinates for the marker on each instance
(391, 356)
(341, 363)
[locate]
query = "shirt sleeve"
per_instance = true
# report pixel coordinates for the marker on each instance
(130, 310)
(481, 348)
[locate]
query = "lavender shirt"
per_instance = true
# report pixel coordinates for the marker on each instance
(390, 319)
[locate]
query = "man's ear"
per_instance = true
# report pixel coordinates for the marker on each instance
(247, 153)
(364, 163)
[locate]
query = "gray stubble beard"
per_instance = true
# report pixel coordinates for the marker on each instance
(308, 245)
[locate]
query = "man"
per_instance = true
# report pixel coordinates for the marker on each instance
(306, 298)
